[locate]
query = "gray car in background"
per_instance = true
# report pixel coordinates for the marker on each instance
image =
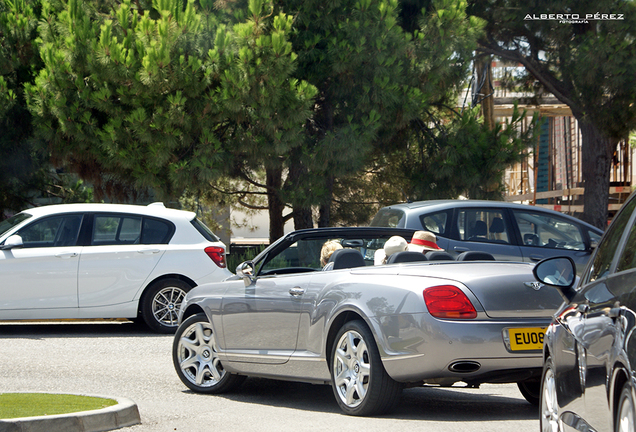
(508, 231)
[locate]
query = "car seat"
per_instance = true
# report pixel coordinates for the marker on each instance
(406, 256)
(346, 258)
(475, 256)
(439, 256)
(480, 230)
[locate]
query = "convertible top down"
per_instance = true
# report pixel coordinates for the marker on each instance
(368, 330)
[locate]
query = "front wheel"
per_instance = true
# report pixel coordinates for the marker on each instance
(361, 385)
(195, 358)
(161, 302)
(625, 414)
(549, 406)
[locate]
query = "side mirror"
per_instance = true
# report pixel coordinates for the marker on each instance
(245, 270)
(559, 272)
(15, 241)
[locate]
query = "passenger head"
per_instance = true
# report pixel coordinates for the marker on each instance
(327, 249)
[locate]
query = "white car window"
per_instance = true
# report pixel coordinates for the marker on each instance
(111, 230)
(52, 232)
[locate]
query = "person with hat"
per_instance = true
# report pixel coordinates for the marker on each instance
(423, 241)
(393, 245)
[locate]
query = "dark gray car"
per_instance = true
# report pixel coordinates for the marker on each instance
(368, 330)
(508, 231)
(589, 377)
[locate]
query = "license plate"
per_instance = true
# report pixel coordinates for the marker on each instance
(526, 339)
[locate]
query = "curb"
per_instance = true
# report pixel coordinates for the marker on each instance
(123, 414)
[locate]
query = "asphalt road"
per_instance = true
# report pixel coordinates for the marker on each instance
(125, 359)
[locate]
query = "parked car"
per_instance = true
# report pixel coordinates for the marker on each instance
(105, 261)
(508, 231)
(366, 330)
(589, 367)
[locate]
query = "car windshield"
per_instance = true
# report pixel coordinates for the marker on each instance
(7, 224)
(389, 217)
(306, 254)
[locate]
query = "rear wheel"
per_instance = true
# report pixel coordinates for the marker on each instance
(361, 385)
(531, 390)
(195, 358)
(625, 415)
(549, 407)
(161, 302)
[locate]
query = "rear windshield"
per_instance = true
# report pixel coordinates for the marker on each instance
(388, 217)
(7, 224)
(204, 230)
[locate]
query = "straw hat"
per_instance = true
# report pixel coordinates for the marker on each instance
(393, 245)
(423, 241)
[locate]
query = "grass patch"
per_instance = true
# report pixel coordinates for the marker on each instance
(14, 405)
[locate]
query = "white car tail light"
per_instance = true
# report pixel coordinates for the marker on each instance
(217, 254)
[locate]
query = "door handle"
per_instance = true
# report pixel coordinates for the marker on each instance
(536, 257)
(66, 255)
(297, 291)
(148, 251)
(460, 249)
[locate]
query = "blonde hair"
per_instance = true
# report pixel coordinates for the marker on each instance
(327, 249)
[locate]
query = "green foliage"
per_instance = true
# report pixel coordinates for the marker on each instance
(458, 158)
(583, 54)
(162, 98)
(235, 258)
(22, 168)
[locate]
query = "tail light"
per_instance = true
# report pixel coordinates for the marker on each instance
(217, 254)
(448, 301)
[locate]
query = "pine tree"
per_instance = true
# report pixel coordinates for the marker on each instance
(586, 60)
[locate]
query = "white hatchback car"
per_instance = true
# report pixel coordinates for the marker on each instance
(83, 261)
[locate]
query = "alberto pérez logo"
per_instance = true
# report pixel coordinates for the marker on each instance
(574, 18)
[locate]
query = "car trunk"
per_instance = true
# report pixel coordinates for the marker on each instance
(505, 290)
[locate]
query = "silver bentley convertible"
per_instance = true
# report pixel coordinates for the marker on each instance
(368, 330)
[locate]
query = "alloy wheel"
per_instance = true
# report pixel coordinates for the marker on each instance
(166, 305)
(549, 408)
(352, 368)
(196, 356)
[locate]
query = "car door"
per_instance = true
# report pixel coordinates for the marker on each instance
(261, 321)
(544, 235)
(42, 274)
(607, 283)
(115, 265)
(484, 229)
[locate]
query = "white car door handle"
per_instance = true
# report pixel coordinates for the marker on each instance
(296, 291)
(148, 251)
(66, 255)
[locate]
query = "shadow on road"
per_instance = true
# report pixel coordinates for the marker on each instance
(75, 328)
(422, 403)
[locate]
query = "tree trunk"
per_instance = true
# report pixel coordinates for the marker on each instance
(324, 217)
(303, 218)
(276, 205)
(486, 96)
(295, 181)
(596, 164)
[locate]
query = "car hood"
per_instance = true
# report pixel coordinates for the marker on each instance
(504, 289)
